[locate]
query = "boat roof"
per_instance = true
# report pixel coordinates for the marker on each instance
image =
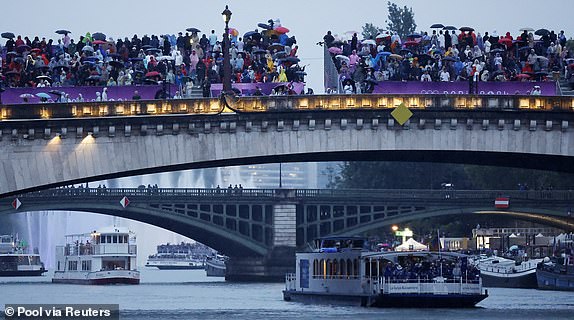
(104, 230)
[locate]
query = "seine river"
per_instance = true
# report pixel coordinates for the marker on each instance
(192, 295)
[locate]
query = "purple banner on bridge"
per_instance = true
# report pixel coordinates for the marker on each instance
(248, 89)
(147, 92)
(548, 88)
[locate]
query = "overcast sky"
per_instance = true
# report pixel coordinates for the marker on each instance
(307, 19)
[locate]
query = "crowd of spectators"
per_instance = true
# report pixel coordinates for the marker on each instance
(450, 54)
(412, 269)
(193, 59)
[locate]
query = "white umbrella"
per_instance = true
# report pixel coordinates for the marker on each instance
(369, 41)
(342, 58)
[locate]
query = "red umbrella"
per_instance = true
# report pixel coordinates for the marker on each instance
(281, 30)
(37, 50)
(505, 41)
(523, 76)
(411, 43)
(99, 42)
(152, 74)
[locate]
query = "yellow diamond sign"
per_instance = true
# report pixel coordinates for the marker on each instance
(401, 114)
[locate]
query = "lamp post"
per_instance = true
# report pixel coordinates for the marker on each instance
(226, 63)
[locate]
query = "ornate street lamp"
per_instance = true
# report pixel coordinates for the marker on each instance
(226, 63)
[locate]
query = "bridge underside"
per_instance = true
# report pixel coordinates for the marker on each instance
(503, 159)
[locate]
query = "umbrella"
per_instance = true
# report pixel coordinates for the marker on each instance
(448, 59)
(411, 43)
(384, 53)
(92, 59)
(12, 72)
(22, 48)
(523, 76)
(505, 41)
(543, 58)
(94, 78)
(528, 29)
(449, 28)
(12, 53)
(281, 30)
(150, 81)
(369, 41)
(497, 51)
(7, 35)
(264, 26)
(62, 31)
(437, 26)
(88, 48)
(43, 95)
(116, 64)
(152, 50)
(405, 51)
(541, 32)
(44, 78)
(57, 92)
(414, 36)
(512, 248)
(152, 74)
(424, 58)
(169, 58)
(382, 36)
(466, 29)
(250, 34)
(292, 59)
(99, 42)
(524, 48)
(276, 46)
(192, 30)
(279, 55)
(335, 50)
(136, 59)
(42, 66)
(342, 58)
(396, 56)
(259, 51)
(233, 32)
(99, 36)
(27, 96)
(36, 50)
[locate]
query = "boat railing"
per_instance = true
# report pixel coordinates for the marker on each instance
(424, 286)
(290, 281)
(335, 276)
(89, 249)
(509, 269)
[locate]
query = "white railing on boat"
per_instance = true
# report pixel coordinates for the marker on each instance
(419, 286)
(81, 250)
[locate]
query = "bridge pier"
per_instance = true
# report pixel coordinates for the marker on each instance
(279, 260)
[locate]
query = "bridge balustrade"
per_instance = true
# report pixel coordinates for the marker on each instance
(307, 194)
(210, 106)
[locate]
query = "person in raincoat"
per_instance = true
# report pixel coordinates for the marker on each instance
(282, 77)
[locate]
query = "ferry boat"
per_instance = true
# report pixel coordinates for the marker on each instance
(179, 256)
(556, 273)
(15, 261)
(105, 256)
(345, 271)
(215, 266)
(507, 273)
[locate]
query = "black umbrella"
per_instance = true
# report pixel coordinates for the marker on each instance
(437, 26)
(23, 47)
(99, 36)
(259, 51)
(156, 50)
(423, 58)
(264, 26)
(449, 28)
(44, 78)
(524, 48)
(541, 32)
(193, 30)
(291, 59)
(62, 31)
(448, 59)
(250, 34)
(414, 35)
(136, 59)
(466, 29)
(497, 51)
(279, 55)
(8, 35)
(57, 92)
(116, 64)
(12, 53)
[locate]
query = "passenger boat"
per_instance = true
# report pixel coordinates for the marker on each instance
(215, 266)
(15, 261)
(507, 273)
(105, 256)
(556, 273)
(179, 256)
(345, 271)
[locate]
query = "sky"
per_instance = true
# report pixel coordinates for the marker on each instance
(308, 20)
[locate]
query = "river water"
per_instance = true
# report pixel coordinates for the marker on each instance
(189, 294)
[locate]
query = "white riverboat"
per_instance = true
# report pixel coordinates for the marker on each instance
(344, 271)
(215, 265)
(16, 261)
(106, 256)
(179, 256)
(507, 273)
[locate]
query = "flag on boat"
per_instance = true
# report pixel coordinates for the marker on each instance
(501, 202)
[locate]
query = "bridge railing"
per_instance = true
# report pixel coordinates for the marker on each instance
(307, 194)
(207, 106)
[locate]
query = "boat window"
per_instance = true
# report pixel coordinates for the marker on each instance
(120, 239)
(115, 239)
(126, 239)
(335, 269)
(315, 268)
(343, 267)
(355, 267)
(103, 239)
(350, 267)
(323, 266)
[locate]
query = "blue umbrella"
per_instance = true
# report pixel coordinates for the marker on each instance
(384, 53)
(43, 95)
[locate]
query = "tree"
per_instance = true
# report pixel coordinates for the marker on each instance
(370, 31)
(401, 20)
